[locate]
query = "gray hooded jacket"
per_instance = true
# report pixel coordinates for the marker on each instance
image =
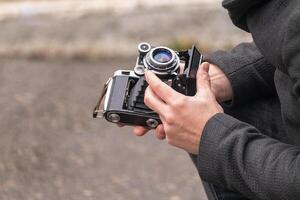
(234, 154)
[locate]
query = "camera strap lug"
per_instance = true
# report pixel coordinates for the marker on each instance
(102, 95)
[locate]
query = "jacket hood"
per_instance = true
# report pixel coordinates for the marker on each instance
(238, 10)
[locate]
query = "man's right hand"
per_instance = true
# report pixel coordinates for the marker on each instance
(220, 86)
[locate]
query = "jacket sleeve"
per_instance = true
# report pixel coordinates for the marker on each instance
(235, 155)
(250, 74)
(291, 53)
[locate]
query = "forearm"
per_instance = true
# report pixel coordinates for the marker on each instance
(237, 156)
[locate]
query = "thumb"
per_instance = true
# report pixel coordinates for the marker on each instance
(203, 81)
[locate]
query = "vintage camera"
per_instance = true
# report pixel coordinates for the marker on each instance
(123, 94)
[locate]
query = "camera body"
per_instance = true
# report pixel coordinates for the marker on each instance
(123, 94)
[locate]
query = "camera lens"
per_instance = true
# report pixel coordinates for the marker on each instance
(162, 55)
(162, 61)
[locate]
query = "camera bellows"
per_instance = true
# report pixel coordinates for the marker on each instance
(136, 99)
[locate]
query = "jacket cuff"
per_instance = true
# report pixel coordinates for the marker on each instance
(210, 155)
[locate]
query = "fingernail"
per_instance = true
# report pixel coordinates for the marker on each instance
(205, 66)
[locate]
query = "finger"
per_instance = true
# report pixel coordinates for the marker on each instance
(161, 89)
(160, 132)
(203, 82)
(154, 102)
(140, 130)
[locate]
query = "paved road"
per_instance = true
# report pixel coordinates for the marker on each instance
(51, 148)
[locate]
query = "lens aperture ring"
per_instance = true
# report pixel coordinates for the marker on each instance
(167, 62)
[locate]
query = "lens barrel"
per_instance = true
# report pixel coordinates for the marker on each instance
(162, 61)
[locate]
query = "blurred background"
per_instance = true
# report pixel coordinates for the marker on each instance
(54, 58)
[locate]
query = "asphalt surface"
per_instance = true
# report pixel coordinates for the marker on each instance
(51, 148)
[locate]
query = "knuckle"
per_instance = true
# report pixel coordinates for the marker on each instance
(157, 86)
(178, 103)
(146, 99)
(170, 118)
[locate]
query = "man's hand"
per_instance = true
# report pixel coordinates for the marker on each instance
(183, 117)
(220, 86)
